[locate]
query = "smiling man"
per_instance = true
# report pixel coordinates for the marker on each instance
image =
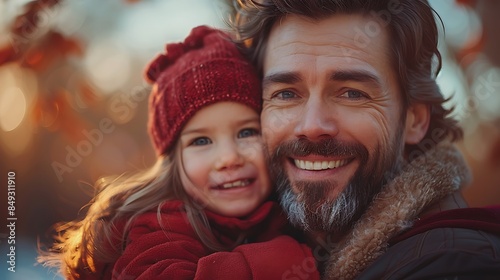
(347, 116)
(358, 141)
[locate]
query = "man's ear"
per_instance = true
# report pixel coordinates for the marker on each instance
(494, 158)
(417, 123)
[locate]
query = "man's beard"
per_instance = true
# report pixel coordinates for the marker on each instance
(311, 209)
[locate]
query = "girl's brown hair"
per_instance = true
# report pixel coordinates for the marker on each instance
(80, 245)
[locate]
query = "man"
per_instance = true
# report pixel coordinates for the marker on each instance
(359, 142)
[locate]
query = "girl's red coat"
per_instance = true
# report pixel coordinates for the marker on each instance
(172, 250)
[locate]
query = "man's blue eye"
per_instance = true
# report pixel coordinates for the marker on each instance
(248, 132)
(200, 141)
(353, 94)
(286, 95)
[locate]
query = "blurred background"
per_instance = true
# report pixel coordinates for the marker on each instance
(73, 103)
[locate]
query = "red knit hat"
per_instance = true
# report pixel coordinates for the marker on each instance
(206, 68)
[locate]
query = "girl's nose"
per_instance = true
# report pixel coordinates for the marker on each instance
(228, 156)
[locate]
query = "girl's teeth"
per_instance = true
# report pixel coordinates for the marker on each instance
(239, 183)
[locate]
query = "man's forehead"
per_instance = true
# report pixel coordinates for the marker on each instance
(344, 27)
(343, 38)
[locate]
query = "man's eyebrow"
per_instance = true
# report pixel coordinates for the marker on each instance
(356, 76)
(340, 76)
(281, 78)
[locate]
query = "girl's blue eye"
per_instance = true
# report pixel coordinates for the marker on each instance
(248, 132)
(200, 141)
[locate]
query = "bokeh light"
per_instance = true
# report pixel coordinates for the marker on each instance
(108, 65)
(12, 108)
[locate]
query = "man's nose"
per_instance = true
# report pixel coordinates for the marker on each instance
(317, 120)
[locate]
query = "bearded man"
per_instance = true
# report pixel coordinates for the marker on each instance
(359, 143)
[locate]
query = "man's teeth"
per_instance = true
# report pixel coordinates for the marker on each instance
(239, 183)
(319, 165)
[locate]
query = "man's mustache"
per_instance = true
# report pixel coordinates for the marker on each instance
(329, 147)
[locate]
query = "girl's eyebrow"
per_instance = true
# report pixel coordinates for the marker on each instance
(194, 130)
(238, 123)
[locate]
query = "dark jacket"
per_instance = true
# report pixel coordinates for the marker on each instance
(408, 233)
(453, 244)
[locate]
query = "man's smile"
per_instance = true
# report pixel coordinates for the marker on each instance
(320, 165)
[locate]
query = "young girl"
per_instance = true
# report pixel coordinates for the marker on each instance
(202, 211)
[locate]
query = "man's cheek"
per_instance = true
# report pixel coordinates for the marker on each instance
(277, 122)
(270, 135)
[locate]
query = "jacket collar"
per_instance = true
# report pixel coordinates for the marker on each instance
(422, 183)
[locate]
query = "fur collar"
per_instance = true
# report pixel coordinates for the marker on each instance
(422, 182)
